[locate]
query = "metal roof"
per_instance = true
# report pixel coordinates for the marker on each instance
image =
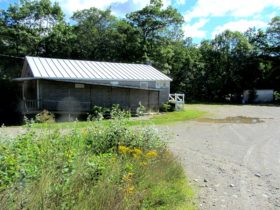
(52, 68)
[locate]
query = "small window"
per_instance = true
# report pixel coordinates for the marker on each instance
(79, 86)
(144, 85)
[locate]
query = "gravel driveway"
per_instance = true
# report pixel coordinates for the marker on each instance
(235, 163)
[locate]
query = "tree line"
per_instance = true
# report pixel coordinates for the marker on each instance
(213, 70)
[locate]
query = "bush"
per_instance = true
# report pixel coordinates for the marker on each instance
(99, 113)
(140, 109)
(276, 97)
(98, 167)
(118, 113)
(96, 113)
(45, 117)
(167, 107)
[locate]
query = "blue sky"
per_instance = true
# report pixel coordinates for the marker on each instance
(204, 18)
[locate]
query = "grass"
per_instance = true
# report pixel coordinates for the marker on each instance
(179, 116)
(94, 167)
(161, 119)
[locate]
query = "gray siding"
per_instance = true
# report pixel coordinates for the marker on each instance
(101, 96)
(163, 95)
(64, 96)
(163, 91)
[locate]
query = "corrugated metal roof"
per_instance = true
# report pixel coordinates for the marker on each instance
(52, 68)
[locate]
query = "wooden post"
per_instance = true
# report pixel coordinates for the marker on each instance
(129, 100)
(148, 101)
(23, 85)
(38, 94)
(24, 107)
(158, 102)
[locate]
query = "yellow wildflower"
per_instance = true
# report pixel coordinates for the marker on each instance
(151, 153)
(124, 150)
(127, 177)
(137, 151)
(129, 190)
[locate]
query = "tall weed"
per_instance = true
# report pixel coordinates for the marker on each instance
(98, 167)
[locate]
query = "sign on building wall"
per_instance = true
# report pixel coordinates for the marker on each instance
(79, 86)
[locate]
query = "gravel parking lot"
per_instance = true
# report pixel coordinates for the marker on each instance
(232, 156)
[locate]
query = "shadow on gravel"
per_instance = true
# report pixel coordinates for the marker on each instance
(237, 119)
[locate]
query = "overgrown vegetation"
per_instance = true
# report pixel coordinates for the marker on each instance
(45, 117)
(97, 167)
(140, 109)
(98, 113)
(167, 107)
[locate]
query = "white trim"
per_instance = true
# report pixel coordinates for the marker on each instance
(83, 79)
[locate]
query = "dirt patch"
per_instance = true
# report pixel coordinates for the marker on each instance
(11, 132)
(237, 119)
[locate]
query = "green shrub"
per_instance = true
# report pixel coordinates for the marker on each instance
(45, 117)
(140, 109)
(276, 97)
(117, 113)
(167, 107)
(96, 113)
(99, 113)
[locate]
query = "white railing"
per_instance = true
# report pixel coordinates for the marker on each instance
(178, 100)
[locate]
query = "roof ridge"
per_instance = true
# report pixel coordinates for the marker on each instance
(88, 60)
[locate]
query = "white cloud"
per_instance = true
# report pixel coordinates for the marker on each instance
(70, 6)
(236, 8)
(240, 25)
(166, 3)
(272, 15)
(141, 3)
(180, 2)
(194, 30)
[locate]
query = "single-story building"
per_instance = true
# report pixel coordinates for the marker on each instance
(66, 86)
